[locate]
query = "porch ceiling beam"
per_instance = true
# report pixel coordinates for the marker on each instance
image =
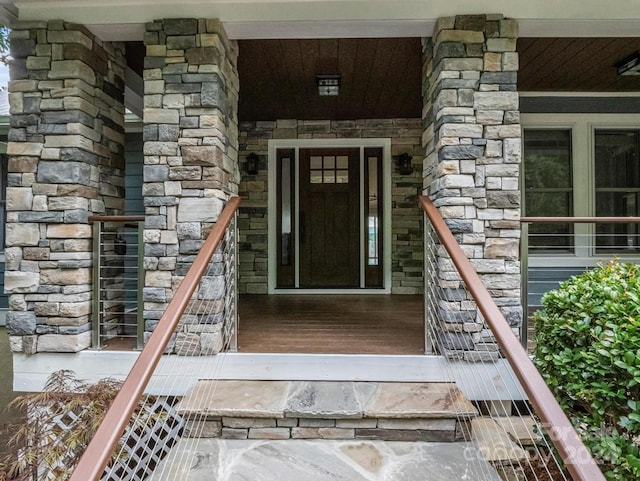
(134, 92)
(252, 19)
(253, 30)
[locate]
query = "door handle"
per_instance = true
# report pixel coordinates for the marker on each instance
(303, 228)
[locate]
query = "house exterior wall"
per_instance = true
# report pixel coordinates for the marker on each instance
(472, 141)
(190, 161)
(406, 217)
(66, 161)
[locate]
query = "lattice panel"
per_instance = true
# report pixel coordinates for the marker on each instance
(146, 442)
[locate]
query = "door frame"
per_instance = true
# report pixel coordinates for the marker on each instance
(296, 145)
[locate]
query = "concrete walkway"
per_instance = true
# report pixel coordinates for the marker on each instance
(321, 460)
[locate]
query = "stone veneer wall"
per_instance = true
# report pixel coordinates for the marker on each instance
(190, 157)
(66, 161)
(407, 248)
(472, 140)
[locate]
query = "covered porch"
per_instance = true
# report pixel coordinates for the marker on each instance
(331, 324)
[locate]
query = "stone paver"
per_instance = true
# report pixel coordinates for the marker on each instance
(262, 399)
(326, 400)
(521, 429)
(320, 460)
(494, 443)
(418, 400)
(335, 400)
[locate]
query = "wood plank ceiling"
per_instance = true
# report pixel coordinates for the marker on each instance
(381, 78)
(575, 64)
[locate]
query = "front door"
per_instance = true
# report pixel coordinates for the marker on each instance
(329, 218)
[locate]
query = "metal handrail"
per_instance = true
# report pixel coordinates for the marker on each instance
(579, 220)
(97, 455)
(525, 222)
(98, 224)
(571, 448)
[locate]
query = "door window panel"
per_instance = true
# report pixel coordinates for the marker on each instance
(329, 169)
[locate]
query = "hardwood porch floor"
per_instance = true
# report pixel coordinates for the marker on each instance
(331, 324)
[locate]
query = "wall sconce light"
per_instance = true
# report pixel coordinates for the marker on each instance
(404, 164)
(328, 85)
(251, 166)
(629, 65)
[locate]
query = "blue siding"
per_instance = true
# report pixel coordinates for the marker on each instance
(4, 299)
(543, 279)
(133, 203)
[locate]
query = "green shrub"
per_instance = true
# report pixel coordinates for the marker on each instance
(588, 351)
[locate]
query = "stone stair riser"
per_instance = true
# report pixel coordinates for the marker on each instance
(436, 430)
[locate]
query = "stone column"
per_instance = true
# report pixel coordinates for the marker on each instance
(472, 141)
(191, 160)
(66, 162)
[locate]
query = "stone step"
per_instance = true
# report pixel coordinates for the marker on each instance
(320, 460)
(326, 410)
(495, 444)
(522, 429)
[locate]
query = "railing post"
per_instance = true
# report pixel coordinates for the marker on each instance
(233, 347)
(575, 454)
(524, 289)
(97, 265)
(99, 451)
(140, 282)
(428, 278)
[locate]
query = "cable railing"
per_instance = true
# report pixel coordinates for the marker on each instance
(118, 278)
(466, 326)
(553, 249)
(200, 320)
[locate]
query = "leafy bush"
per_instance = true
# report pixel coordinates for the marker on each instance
(60, 422)
(588, 351)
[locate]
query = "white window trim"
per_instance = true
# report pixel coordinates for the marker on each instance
(297, 144)
(583, 127)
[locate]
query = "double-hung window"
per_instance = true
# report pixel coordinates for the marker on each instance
(584, 166)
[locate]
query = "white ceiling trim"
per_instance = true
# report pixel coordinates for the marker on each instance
(580, 28)
(245, 19)
(379, 29)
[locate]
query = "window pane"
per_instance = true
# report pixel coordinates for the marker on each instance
(329, 162)
(617, 188)
(620, 238)
(548, 187)
(547, 159)
(551, 238)
(287, 211)
(342, 177)
(316, 177)
(329, 177)
(342, 162)
(315, 162)
(617, 159)
(373, 223)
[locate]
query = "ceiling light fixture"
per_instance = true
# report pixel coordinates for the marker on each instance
(328, 85)
(629, 65)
